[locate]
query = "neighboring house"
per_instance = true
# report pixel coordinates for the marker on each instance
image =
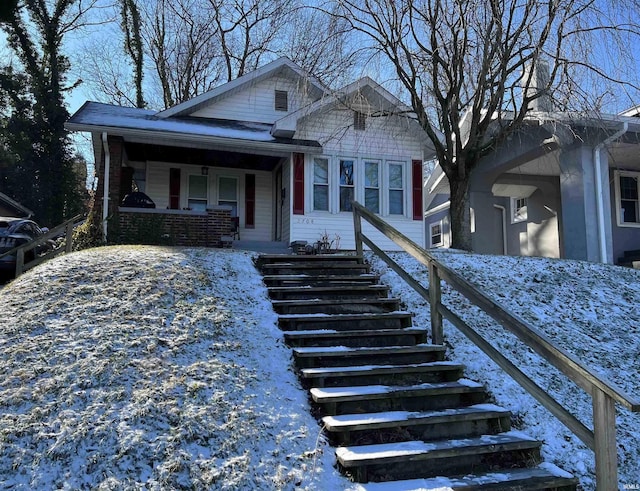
(11, 208)
(273, 148)
(564, 186)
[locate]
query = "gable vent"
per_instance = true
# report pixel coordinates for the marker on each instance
(282, 100)
(359, 120)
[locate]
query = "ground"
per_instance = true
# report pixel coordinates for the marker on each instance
(156, 368)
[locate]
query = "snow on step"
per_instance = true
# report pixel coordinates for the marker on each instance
(543, 471)
(372, 420)
(329, 350)
(376, 332)
(375, 316)
(311, 372)
(395, 452)
(334, 394)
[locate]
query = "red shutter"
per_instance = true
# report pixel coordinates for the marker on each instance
(174, 188)
(298, 184)
(416, 173)
(250, 200)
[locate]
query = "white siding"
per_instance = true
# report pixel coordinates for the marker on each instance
(158, 191)
(257, 102)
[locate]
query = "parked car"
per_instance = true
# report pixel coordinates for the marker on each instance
(15, 232)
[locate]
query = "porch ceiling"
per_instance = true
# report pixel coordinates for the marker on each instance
(142, 152)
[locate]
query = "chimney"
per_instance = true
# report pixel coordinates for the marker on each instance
(539, 83)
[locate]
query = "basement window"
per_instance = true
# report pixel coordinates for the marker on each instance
(282, 100)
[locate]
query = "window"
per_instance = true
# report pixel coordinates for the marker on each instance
(282, 100)
(372, 186)
(228, 193)
(321, 184)
(396, 188)
(627, 197)
(359, 121)
(435, 234)
(197, 199)
(518, 210)
(347, 184)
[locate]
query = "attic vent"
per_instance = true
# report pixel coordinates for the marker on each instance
(282, 100)
(359, 120)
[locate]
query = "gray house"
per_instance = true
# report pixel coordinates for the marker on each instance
(565, 186)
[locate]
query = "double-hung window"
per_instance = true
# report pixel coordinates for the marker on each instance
(396, 188)
(347, 184)
(321, 184)
(372, 185)
(435, 234)
(628, 198)
(198, 187)
(228, 193)
(518, 210)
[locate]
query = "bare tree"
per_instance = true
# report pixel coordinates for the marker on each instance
(472, 69)
(131, 26)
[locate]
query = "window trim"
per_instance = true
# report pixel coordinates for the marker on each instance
(379, 188)
(432, 225)
(189, 198)
(618, 198)
(513, 204)
(237, 200)
(388, 188)
(354, 161)
(313, 184)
(281, 100)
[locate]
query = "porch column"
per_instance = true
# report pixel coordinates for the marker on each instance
(579, 225)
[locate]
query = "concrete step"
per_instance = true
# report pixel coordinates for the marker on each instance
(392, 426)
(315, 268)
(339, 322)
(328, 292)
(320, 279)
(377, 398)
(336, 356)
(409, 336)
(410, 459)
(543, 477)
(336, 305)
(437, 371)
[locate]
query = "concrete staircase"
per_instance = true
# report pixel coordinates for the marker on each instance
(400, 415)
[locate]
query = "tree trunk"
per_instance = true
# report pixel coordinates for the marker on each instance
(460, 213)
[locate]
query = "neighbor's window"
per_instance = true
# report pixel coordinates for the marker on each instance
(372, 186)
(347, 184)
(228, 193)
(396, 188)
(359, 121)
(627, 190)
(321, 184)
(435, 234)
(282, 100)
(518, 210)
(197, 199)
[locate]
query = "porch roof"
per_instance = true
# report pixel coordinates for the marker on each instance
(144, 125)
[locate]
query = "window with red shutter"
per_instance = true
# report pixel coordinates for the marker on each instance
(250, 200)
(298, 184)
(416, 171)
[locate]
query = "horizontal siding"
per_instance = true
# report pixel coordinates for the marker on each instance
(158, 191)
(256, 102)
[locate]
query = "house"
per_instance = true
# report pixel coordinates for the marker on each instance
(11, 208)
(564, 186)
(273, 152)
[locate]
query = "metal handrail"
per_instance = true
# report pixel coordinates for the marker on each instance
(20, 250)
(602, 440)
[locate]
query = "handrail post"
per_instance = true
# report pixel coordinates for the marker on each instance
(69, 238)
(19, 261)
(435, 297)
(357, 231)
(604, 432)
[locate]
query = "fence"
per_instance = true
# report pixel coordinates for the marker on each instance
(604, 394)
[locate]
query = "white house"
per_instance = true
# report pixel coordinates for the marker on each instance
(274, 150)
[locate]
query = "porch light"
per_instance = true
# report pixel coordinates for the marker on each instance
(205, 171)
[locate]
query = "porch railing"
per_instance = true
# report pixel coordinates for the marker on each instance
(64, 229)
(604, 394)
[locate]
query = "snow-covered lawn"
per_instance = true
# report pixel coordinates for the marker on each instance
(163, 368)
(151, 368)
(590, 310)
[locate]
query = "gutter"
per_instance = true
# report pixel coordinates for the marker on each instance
(105, 192)
(599, 191)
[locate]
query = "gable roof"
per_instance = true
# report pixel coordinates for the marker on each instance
(280, 66)
(7, 202)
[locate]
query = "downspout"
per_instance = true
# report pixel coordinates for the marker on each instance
(504, 227)
(105, 192)
(599, 191)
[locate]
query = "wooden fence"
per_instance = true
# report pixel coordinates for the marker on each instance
(604, 394)
(65, 229)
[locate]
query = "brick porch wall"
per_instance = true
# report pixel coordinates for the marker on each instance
(175, 227)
